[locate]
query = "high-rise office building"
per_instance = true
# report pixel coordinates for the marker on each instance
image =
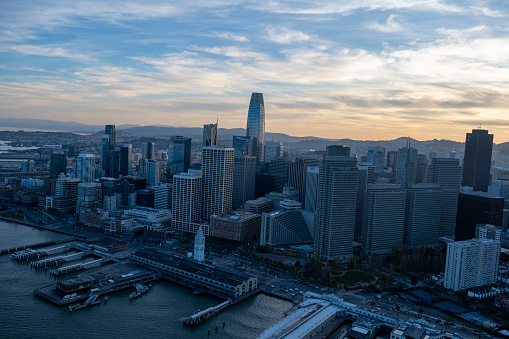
(85, 168)
(58, 164)
(162, 196)
(376, 157)
(422, 224)
(210, 135)
(273, 149)
(217, 173)
(148, 151)
(244, 174)
(278, 169)
(256, 126)
(499, 188)
(392, 160)
(243, 146)
(384, 218)
(422, 167)
(337, 151)
(477, 160)
(311, 188)
(446, 172)
(406, 167)
(114, 164)
(179, 155)
(477, 208)
(126, 159)
(187, 201)
(297, 173)
(153, 172)
(108, 145)
(335, 207)
(366, 177)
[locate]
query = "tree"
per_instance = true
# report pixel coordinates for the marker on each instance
(448, 322)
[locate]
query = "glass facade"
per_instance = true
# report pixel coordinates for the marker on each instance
(256, 125)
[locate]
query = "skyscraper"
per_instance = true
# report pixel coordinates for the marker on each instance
(126, 159)
(406, 167)
(58, 164)
(179, 155)
(384, 218)
(477, 160)
(256, 126)
(376, 157)
(108, 145)
(335, 207)
(217, 173)
(148, 150)
(186, 202)
(446, 172)
(366, 177)
(153, 172)
(243, 146)
(272, 150)
(297, 173)
(210, 135)
(337, 151)
(244, 174)
(423, 211)
(85, 168)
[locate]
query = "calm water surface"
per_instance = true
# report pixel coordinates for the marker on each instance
(154, 315)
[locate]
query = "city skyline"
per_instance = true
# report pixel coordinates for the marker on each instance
(366, 70)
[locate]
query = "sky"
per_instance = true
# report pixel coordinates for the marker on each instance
(363, 69)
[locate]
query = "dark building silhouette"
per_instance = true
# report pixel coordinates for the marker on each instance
(477, 160)
(210, 135)
(337, 151)
(264, 183)
(108, 145)
(145, 198)
(125, 159)
(477, 208)
(58, 164)
(179, 155)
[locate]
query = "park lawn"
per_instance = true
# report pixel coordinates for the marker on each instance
(352, 277)
(13, 215)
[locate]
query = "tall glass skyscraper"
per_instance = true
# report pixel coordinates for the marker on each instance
(210, 135)
(256, 126)
(477, 161)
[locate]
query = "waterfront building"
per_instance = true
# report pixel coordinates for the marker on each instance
(187, 201)
(179, 155)
(259, 205)
(477, 160)
(217, 174)
(476, 208)
(406, 167)
(384, 218)
(256, 126)
(214, 280)
(240, 226)
(210, 135)
(446, 172)
(66, 194)
(126, 159)
(423, 210)
(272, 150)
(471, 263)
(376, 157)
(58, 164)
(335, 207)
(85, 167)
(244, 174)
(199, 246)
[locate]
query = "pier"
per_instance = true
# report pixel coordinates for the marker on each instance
(35, 246)
(30, 253)
(77, 267)
(59, 260)
(204, 315)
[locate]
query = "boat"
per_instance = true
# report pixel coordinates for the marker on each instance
(140, 290)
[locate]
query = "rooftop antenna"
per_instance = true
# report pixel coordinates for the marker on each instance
(408, 142)
(479, 126)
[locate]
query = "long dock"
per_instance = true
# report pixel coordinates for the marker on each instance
(31, 253)
(35, 246)
(77, 267)
(204, 315)
(59, 260)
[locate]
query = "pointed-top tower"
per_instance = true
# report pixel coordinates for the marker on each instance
(199, 246)
(256, 126)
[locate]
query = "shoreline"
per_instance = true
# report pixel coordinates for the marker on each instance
(42, 227)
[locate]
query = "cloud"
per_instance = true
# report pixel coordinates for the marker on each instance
(49, 52)
(390, 25)
(231, 36)
(285, 35)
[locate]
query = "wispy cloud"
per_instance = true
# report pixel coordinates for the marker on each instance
(231, 36)
(390, 26)
(48, 52)
(285, 35)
